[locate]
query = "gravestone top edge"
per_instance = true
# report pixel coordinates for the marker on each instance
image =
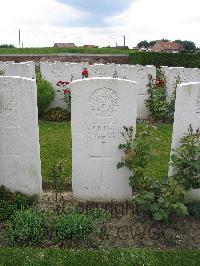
(16, 77)
(103, 78)
(187, 84)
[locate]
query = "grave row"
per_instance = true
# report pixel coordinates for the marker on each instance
(68, 72)
(55, 72)
(100, 109)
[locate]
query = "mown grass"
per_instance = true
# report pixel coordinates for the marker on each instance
(161, 146)
(54, 50)
(55, 145)
(137, 257)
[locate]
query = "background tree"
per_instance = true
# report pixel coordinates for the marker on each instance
(151, 43)
(189, 46)
(7, 46)
(143, 44)
(165, 40)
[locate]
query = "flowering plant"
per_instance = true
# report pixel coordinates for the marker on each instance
(67, 93)
(85, 73)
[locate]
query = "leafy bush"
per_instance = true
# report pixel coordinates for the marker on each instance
(72, 225)
(160, 106)
(194, 210)
(56, 115)
(45, 94)
(186, 160)
(26, 228)
(157, 101)
(165, 59)
(11, 202)
(58, 178)
(161, 199)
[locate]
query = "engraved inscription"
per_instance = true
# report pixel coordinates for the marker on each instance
(100, 72)
(7, 100)
(57, 72)
(104, 102)
(197, 105)
(104, 130)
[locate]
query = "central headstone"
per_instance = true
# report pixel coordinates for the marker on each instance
(100, 109)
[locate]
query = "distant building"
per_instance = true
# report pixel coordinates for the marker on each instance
(64, 45)
(167, 47)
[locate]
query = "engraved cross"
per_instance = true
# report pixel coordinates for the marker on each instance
(102, 158)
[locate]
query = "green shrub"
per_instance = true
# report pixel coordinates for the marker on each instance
(26, 228)
(161, 199)
(165, 59)
(11, 202)
(194, 210)
(157, 101)
(99, 215)
(186, 160)
(160, 106)
(45, 94)
(72, 225)
(56, 115)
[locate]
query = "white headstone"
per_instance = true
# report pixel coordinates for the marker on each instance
(101, 70)
(55, 72)
(140, 74)
(181, 74)
(174, 74)
(100, 109)
(77, 68)
(187, 112)
(19, 136)
(26, 69)
(122, 71)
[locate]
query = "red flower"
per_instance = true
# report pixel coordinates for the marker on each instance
(66, 91)
(62, 83)
(59, 83)
(65, 83)
(85, 72)
(160, 83)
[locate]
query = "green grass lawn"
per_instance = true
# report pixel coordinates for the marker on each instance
(54, 50)
(55, 145)
(137, 257)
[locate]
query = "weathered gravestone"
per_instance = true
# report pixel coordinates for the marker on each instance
(57, 73)
(122, 71)
(179, 75)
(19, 136)
(141, 75)
(187, 111)
(101, 70)
(25, 69)
(100, 109)
(77, 68)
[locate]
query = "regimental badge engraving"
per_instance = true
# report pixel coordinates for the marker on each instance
(104, 102)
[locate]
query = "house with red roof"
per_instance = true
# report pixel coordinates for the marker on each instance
(167, 47)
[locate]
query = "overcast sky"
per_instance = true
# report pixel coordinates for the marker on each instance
(99, 22)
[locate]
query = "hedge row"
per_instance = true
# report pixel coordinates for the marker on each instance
(165, 59)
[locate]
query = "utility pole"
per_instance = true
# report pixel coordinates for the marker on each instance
(19, 38)
(124, 42)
